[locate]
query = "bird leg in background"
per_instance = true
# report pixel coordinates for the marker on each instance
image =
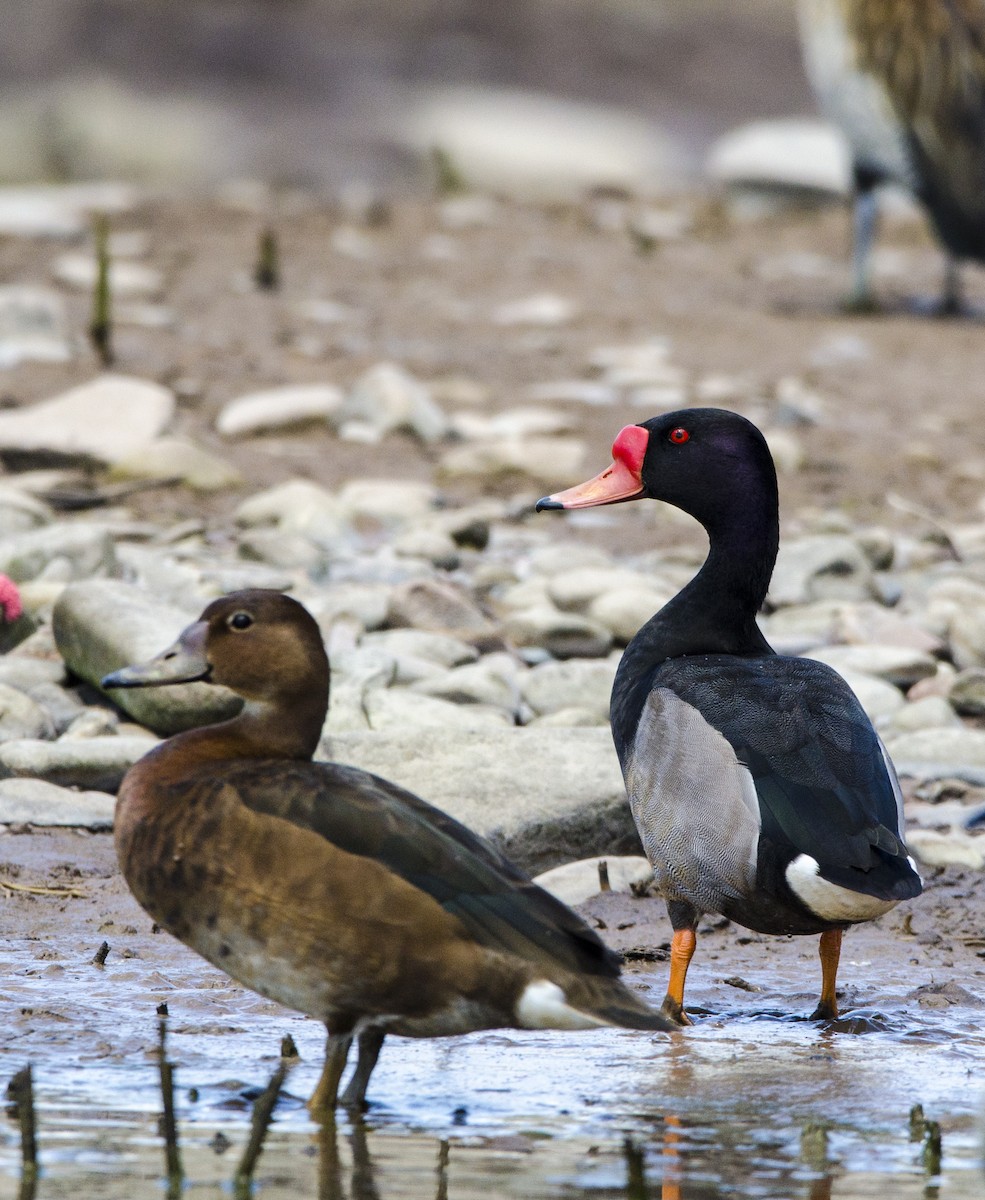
(865, 219)
(682, 946)
(325, 1095)
(952, 301)
(829, 950)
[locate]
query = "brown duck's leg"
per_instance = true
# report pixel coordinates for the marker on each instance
(830, 952)
(682, 946)
(326, 1094)
(370, 1043)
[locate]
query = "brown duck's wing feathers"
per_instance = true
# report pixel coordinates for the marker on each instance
(362, 814)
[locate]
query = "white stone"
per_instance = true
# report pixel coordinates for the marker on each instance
(492, 681)
(624, 613)
(576, 882)
(34, 802)
(297, 506)
(932, 712)
(953, 848)
(791, 153)
(543, 308)
(573, 391)
(820, 567)
(578, 587)
(181, 460)
(97, 763)
(386, 398)
(537, 146)
(84, 548)
(445, 652)
(564, 635)
(895, 664)
(398, 709)
(126, 278)
(21, 512)
(59, 210)
(552, 687)
(32, 326)
(557, 461)
(278, 408)
(391, 502)
(960, 747)
(880, 700)
(100, 421)
(513, 423)
(102, 625)
(21, 717)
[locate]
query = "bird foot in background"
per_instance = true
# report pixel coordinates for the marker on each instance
(860, 304)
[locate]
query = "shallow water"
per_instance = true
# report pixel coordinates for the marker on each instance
(746, 1104)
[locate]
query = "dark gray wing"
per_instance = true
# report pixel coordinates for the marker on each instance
(824, 784)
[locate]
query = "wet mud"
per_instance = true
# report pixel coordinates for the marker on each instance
(754, 1100)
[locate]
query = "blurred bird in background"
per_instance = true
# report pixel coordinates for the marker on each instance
(905, 82)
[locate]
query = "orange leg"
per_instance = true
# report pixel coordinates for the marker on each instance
(830, 952)
(682, 946)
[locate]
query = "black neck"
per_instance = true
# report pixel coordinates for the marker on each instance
(714, 614)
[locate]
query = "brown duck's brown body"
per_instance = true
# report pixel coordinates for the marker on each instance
(284, 912)
(326, 888)
(905, 80)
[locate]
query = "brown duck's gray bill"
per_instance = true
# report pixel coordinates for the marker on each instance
(184, 662)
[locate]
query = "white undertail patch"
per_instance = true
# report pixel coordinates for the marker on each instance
(543, 1005)
(830, 900)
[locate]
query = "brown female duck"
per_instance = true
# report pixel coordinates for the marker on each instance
(905, 81)
(326, 888)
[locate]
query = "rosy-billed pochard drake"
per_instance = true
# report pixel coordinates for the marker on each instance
(759, 787)
(330, 890)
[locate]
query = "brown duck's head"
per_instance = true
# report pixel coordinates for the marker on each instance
(261, 644)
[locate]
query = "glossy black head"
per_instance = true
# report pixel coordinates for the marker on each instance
(709, 462)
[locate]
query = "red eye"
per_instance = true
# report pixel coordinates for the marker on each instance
(679, 435)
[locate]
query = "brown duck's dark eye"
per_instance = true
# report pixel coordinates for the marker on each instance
(240, 620)
(679, 435)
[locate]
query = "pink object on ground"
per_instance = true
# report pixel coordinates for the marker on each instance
(10, 599)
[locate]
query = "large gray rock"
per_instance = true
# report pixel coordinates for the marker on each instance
(93, 424)
(35, 802)
(98, 763)
(545, 795)
(102, 625)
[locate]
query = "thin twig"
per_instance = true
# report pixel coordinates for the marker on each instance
(21, 1092)
(37, 889)
(172, 1157)
(263, 1112)
(101, 325)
